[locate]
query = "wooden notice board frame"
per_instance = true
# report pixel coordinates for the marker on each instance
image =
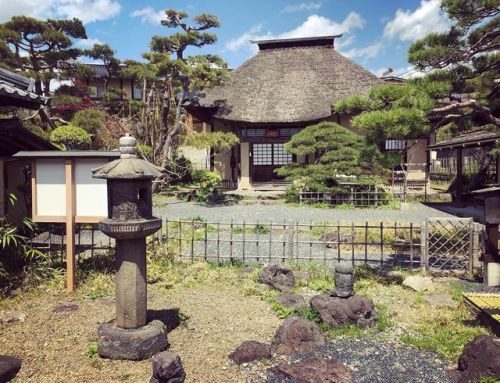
(69, 160)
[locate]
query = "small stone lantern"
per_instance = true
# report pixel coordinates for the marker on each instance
(344, 280)
(130, 220)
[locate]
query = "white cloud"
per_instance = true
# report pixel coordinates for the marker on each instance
(410, 25)
(314, 26)
(86, 10)
(300, 7)
(87, 43)
(369, 51)
(404, 72)
(149, 15)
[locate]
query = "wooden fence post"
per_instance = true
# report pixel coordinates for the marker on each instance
(476, 252)
(424, 259)
(290, 239)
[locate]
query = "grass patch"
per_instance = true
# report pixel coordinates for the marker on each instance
(257, 229)
(91, 350)
(284, 312)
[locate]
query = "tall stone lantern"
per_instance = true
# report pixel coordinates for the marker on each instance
(130, 220)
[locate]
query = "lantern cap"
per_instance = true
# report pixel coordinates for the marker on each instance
(128, 166)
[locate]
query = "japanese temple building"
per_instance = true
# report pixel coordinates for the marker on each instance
(288, 85)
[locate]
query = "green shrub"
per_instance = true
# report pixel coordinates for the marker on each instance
(292, 195)
(71, 137)
(208, 181)
(92, 120)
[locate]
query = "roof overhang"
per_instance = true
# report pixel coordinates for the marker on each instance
(296, 42)
(14, 138)
(70, 154)
(467, 140)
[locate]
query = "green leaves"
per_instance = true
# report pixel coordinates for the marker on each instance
(334, 152)
(71, 137)
(46, 44)
(216, 141)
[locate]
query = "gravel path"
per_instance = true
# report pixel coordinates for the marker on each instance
(175, 209)
(372, 362)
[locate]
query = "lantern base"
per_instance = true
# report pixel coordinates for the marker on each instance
(131, 344)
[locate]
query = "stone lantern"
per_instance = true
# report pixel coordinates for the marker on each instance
(130, 220)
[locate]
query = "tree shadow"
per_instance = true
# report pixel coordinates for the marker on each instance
(170, 317)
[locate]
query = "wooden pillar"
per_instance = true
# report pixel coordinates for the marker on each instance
(70, 226)
(460, 165)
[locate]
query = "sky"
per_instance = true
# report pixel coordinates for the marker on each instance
(376, 33)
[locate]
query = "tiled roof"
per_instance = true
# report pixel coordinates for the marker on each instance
(475, 137)
(17, 90)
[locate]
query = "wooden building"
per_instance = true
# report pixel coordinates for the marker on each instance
(288, 85)
(97, 83)
(17, 91)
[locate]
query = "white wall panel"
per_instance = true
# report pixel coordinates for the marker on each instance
(51, 187)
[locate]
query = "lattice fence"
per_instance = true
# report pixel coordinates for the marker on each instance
(450, 243)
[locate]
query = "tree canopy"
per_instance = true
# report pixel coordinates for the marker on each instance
(40, 48)
(184, 73)
(459, 92)
(468, 57)
(334, 153)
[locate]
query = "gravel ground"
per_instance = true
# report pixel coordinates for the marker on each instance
(373, 362)
(278, 212)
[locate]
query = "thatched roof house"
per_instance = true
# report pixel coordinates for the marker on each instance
(289, 84)
(289, 81)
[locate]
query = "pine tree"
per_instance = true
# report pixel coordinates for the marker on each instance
(43, 49)
(184, 73)
(334, 154)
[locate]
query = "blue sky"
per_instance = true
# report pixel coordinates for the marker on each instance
(376, 33)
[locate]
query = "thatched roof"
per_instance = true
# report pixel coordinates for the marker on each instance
(295, 80)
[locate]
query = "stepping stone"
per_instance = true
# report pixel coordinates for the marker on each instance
(419, 283)
(440, 300)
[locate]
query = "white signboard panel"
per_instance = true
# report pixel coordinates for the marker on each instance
(50, 188)
(91, 196)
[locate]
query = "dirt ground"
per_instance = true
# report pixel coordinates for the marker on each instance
(53, 345)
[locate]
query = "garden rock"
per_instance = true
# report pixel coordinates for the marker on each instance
(249, 351)
(332, 239)
(310, 371)
(9, 367)
(480, 358)
(167, 368)
(278, 277)
(419, 283)
(440, 300)
(12, 316)
(297, 334)
(65, 308)
(291, 301)
(336, 311)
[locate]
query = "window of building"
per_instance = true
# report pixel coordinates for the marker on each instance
(263, 154)
(136, 93)
(280, 156)
(395, 145)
